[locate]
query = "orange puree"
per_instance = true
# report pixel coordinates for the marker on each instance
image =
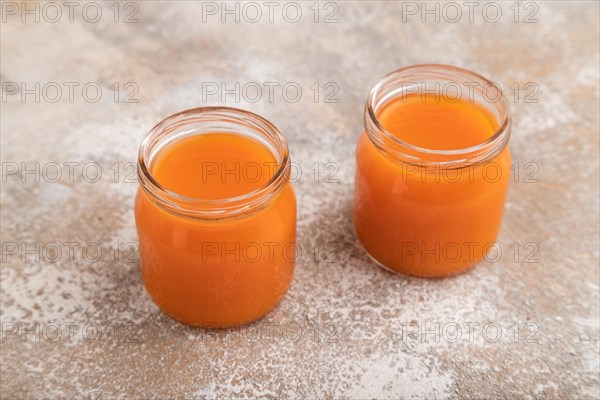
(223, 271)
(437, 123)
(424, 218)
(214, 166)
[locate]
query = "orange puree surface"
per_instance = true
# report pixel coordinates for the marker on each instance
(437, 123)
(421, 218)
(214, 166)
(218, 272)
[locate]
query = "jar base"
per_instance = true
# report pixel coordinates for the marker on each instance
(414, 275)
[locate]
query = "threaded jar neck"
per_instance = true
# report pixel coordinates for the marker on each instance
(442, 80)
(202, 120)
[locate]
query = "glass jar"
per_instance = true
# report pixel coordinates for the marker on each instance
(434, 210)
(215, 262)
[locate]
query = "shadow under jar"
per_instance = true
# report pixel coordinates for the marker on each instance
(432, 170)
(216, 216)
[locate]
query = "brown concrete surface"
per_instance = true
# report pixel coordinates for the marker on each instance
(343, 329)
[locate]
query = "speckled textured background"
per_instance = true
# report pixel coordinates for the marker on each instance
(76, 326)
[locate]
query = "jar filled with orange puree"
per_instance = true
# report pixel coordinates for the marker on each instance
(216, 216)
(432, 170)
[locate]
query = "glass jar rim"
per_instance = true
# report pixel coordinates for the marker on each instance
(489, 147)
(213, 208)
